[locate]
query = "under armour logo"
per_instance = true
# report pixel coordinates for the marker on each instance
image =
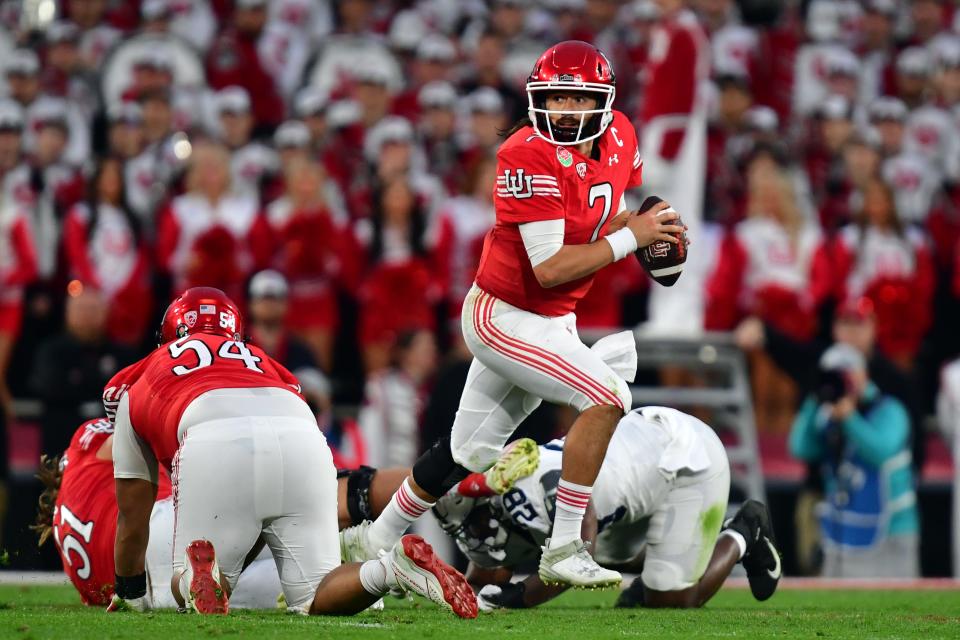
(520, 185)
(612, 160)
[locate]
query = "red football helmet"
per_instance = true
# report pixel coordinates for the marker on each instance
(578, 66)
(201, 310)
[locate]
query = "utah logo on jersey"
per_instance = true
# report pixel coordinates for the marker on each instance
(520, 185)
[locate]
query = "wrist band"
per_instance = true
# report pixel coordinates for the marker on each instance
(622, 242)
(130, 587)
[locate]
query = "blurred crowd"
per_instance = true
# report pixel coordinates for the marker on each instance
(330, 165)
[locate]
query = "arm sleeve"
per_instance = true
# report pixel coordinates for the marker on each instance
(542, 239)
(527, 187)
(132, 457)
(880, 435)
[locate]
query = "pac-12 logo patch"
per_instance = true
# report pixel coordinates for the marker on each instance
(582, 170)
(190, 317)
(564, 156)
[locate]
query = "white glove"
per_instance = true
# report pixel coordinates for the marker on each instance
(619, 351)
(484, 598)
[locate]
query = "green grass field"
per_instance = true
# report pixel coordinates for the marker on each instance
(54, 612)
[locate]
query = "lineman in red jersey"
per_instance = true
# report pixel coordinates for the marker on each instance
(247, 461)
(561, 177)
(78, 510)
(84, 516)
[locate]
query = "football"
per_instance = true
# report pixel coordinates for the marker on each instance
(663, 260)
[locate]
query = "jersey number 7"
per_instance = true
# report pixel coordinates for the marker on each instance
(603, 190)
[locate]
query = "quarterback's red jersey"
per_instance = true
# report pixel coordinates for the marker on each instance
(537, 180)
(175, 374)
(85, 518)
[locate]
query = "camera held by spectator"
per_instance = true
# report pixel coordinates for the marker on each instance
(860, 437)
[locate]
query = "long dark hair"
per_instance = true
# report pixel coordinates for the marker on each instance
(516, 126)
(93, 199)
(896, 224)
(418, 221)
(50, 475)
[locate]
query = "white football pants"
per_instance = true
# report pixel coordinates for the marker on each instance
(520, 359)
(271, 474)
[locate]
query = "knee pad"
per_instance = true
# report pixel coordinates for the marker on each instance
(436, 472)
(358, 494)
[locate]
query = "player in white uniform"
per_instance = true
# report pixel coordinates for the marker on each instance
(658, 507)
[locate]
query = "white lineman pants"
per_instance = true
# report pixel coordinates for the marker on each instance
(237, 478)
(259, 583)
(520, 359)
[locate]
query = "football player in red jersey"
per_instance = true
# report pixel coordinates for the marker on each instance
(560, 218)
(247, 462)
(78, 510)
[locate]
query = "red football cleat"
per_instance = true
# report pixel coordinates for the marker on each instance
(202, 574)
(418, 569)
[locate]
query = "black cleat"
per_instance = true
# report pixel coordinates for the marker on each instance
(632, 596)
(762, 559)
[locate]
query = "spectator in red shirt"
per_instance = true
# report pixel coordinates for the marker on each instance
(771, 276)
(18, 268)
(316, 254)
(211, 235)
(105, 250)
(878, 258)
(399, 290)
(234, 60)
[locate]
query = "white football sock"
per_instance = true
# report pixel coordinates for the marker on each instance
(738, 538)
(404, 509)
(572, 500)
(376, 577)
